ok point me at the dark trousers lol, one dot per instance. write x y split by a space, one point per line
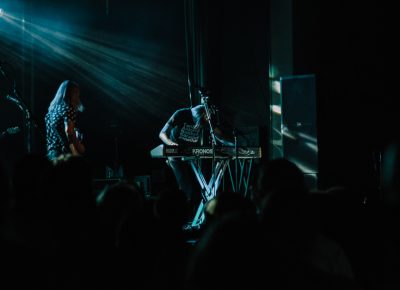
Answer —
186 180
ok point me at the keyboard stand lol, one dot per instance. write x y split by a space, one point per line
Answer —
210 187
243 176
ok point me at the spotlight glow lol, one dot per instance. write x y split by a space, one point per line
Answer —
276 87
276 109
133 74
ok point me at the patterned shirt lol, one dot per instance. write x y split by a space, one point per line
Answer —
56 138
184 132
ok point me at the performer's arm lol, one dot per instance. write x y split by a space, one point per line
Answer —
223 138
164 135
76 146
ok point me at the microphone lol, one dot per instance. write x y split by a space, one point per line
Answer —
20 104
209 105
12 99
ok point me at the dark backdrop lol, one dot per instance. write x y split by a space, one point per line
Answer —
127 56
132 70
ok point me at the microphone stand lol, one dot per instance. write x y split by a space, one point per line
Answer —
16 99
27 114
213 139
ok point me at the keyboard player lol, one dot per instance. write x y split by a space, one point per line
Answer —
185 128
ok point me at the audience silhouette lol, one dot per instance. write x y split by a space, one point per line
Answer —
58 233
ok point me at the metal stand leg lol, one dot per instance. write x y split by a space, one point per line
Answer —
244 176
209 188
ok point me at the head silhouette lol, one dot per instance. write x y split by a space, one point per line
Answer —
68 94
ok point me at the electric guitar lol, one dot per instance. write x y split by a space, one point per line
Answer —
10 131
80 149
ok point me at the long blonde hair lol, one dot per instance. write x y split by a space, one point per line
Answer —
64 95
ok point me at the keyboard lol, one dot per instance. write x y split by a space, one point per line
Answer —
164 151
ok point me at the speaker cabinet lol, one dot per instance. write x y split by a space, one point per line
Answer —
294 124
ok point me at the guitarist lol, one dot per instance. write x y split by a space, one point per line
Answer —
62 135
